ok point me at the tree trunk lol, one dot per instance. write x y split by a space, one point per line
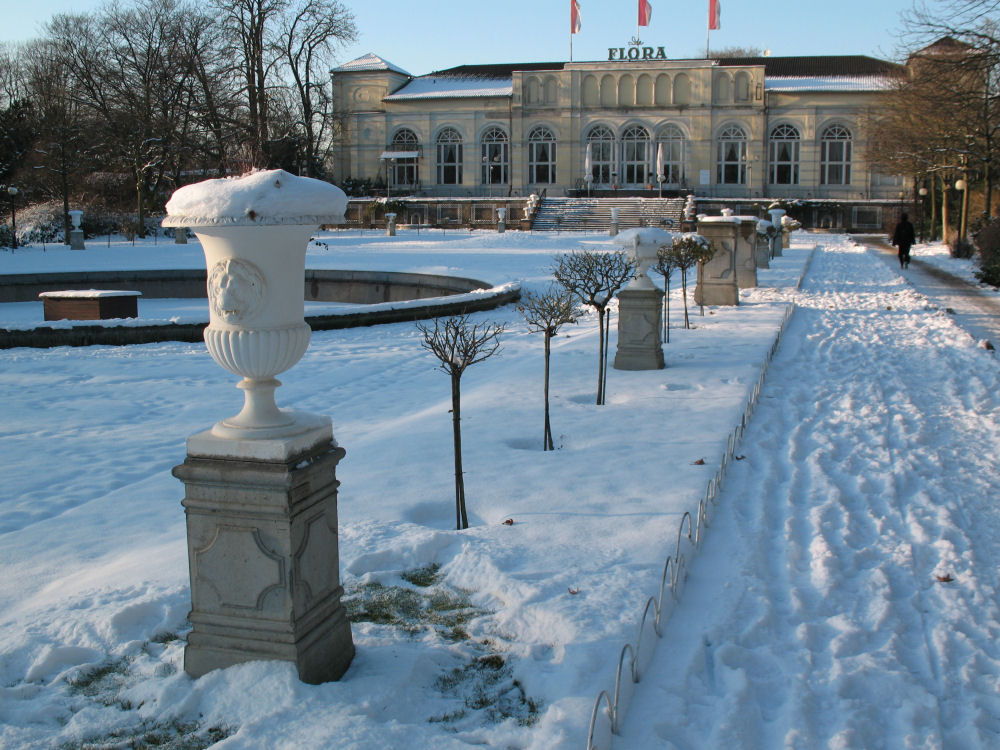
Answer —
548 444
684 290
944 210
604 365
933 234
666 300
461 518
600 356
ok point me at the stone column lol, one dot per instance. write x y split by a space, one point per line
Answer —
717 278
261 486
613 229
746 253
640 303
390 224
501 220
263 554
762 246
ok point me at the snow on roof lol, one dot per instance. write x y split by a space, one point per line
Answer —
828 83
448 87
371 61
259 198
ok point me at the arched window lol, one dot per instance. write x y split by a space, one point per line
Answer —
541 157
671 139
626 91
644 90
635 156
404 170
609 91
732 155
784 156
742 87
602 147
682 89
835 156
449 157
723 89
495 157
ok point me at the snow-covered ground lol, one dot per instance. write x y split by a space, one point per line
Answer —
812 615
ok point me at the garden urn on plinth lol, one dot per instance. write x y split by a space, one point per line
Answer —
260 486
76 238
640 303
777 241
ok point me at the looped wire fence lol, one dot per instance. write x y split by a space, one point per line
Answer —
607 722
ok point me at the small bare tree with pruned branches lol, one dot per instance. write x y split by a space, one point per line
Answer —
548 312
458 344
594 278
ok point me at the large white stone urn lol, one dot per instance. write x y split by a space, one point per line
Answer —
642 244
254 231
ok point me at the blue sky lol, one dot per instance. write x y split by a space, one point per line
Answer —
425 36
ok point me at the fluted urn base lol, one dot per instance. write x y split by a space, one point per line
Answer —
258 355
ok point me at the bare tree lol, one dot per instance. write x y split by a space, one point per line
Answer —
548 312
594 278
688 251
666 264
310 33
458 344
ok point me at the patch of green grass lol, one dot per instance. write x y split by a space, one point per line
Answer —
485 685
170 735
443 610
103 682
422 577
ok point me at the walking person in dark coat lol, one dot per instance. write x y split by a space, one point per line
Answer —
903 238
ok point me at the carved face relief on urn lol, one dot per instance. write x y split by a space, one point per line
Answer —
236 289
254 231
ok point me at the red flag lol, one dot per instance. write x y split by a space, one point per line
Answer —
714 14
574 17
645 12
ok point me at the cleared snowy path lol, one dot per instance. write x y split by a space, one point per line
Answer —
845 596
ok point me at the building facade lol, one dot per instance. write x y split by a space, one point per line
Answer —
740 128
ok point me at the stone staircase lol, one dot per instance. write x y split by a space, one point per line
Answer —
594 214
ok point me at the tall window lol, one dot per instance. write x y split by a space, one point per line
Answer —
404 171
602 145
732 156
541 157
635 156
449 157
784 156
835 156
671 138
494 155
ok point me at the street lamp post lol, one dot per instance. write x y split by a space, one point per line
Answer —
12 192
922 192
962 185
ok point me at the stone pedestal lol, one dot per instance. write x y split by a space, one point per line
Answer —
746 253
263 553
390 225
180 235
639 330
76 240
717 278
613 229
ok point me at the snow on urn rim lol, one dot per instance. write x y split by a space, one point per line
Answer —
264 198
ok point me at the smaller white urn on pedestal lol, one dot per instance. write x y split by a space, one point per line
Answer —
501 220
76 239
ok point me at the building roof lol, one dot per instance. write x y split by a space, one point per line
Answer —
818 65
828 83
371 61
803 73
452 87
